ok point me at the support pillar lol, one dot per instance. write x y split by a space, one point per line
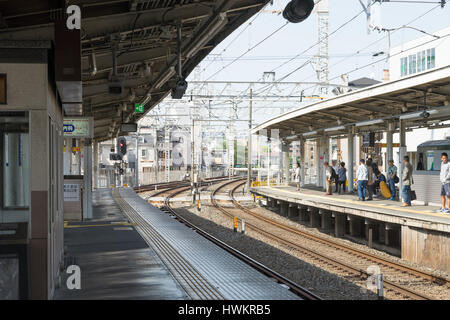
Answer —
302 161
325 219
314 217
351 159
303 213
402 150
381 232
355 226
389 144
318 163
388 235
96 184
284 207
339 224
293 211
371 232
286 171
87 190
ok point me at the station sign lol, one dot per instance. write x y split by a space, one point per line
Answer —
128 127
79 127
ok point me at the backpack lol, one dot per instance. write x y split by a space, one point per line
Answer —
333 174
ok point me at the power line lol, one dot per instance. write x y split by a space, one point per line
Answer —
393 55
318 42
376 41
248 50
237 36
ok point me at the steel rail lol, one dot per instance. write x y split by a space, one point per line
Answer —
388 284
385 262
295 288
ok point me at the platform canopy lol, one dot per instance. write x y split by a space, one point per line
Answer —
421 100
145 32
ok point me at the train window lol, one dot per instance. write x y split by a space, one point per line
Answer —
15 170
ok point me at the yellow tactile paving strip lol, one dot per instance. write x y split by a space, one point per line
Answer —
366 203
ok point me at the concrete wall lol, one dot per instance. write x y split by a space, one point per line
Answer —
29 89
425 247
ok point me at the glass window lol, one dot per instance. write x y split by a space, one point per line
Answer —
423 61
412 64
16 170
144 152
419 59
433 58
431 63
403 66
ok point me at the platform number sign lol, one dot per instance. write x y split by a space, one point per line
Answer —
138 108
74 17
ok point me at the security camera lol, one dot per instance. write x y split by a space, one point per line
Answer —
425 114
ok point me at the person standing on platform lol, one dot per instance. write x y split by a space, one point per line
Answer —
336 169
362 174
297 176
445 179
342 177
407 181
392 177
329 177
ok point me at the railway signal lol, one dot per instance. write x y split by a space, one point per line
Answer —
121 146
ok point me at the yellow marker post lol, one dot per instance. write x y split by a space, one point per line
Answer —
235 224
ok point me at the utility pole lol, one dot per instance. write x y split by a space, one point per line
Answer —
322 67
249 151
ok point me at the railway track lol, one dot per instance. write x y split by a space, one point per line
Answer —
392 269
293 287
168 187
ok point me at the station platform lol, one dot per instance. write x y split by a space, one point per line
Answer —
204 270
419 234
419 216
133 250
115 262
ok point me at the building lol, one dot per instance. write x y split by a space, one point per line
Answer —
419 55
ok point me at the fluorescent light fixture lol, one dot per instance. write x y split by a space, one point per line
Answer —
220 21
334 129
311 133
169 74
417 115
369 123
292 137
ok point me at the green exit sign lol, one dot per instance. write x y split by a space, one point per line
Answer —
138 108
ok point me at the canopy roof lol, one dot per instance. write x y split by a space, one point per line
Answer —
371 108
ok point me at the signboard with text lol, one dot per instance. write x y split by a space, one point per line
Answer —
71 192
79 127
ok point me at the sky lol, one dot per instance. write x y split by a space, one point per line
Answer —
295 38
350 47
